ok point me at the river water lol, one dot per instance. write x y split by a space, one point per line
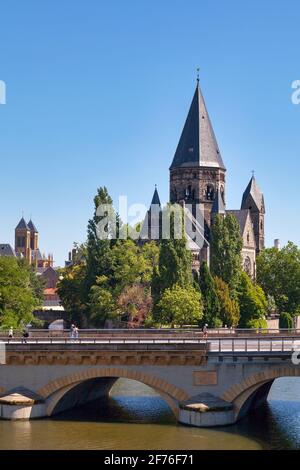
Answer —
134 417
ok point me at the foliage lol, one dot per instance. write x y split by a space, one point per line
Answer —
278 272
102 304
252 300
18 293
72 294
257 323
181 306
229 308
285 320
210 298
135 302
225 250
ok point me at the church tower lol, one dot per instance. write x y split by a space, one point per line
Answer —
197 173
34 236
22 240
253 200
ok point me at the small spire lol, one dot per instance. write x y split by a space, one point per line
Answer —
198 76
253 173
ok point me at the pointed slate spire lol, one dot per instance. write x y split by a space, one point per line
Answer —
253 196
198 145
32 227
22 225
218 204
155 198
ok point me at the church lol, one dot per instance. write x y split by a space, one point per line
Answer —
198 178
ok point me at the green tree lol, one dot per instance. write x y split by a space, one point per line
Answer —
210 298
225 250
98 262
253 303
180 306
278 273
285 320
71 291
229 308
102 303
17 293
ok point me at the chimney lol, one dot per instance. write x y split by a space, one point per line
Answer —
277 244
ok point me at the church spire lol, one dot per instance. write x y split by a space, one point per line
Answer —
197 145
253 196
155 198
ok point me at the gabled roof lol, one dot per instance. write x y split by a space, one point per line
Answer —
32 227
253 196
241 216
6 250
22 225
218 204
197 145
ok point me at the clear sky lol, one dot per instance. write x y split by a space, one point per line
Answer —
98 91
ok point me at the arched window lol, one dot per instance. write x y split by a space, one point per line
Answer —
248 266
248 237
210 192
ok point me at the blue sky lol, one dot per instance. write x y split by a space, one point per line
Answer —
98 91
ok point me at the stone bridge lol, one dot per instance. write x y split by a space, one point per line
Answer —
204 382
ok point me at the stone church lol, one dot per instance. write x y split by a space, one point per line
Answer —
198 177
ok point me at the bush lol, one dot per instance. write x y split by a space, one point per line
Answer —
257 323
285 320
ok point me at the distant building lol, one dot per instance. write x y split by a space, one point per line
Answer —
27 245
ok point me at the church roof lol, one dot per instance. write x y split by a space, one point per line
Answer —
241 216
218 204
32 227
253 193
198 145
155 198
6 250
22 225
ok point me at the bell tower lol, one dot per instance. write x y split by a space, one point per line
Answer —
197 173
253 200
22 240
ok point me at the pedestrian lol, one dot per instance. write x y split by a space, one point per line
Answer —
25 335
72 331
11 332
76 332
205 330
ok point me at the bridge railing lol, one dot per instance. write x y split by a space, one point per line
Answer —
246 344
152 332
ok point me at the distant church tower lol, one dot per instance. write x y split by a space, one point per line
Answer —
253 200
22 240
34 236
197 173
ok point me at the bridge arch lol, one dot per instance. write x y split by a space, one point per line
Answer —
55 390
253 390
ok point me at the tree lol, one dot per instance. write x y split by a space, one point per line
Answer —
285 320
210 298
102 304
175 260
71 291
278 273
135 302
181 306
229 308
98 249
225 249
253 303
17 293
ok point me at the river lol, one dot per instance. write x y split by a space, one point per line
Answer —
134 417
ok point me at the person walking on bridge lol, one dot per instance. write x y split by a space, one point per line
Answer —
11 332
205 330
